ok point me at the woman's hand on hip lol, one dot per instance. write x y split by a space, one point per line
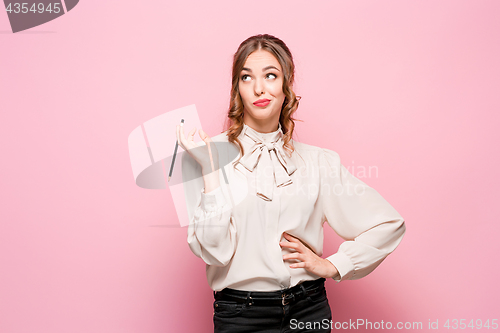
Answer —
309 260
206 156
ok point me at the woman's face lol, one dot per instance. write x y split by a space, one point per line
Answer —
261 90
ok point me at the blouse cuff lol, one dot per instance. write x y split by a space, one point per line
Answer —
343 264
212 200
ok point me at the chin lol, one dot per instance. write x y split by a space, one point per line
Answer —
262 113
262 116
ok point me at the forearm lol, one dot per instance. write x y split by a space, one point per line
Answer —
211 180
212 235
215 243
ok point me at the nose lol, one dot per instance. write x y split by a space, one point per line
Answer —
258 87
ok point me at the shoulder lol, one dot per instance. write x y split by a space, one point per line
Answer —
222 137
222 142
322 155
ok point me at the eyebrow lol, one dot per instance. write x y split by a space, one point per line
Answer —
265 69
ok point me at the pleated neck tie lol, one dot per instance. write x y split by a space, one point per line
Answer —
267 158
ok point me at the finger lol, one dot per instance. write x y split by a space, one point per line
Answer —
181 132
295 255
290 245
181 137
204 136
288 236
191 134
302 246
178 134
184 142
299 265
292 239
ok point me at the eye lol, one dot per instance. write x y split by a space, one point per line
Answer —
245 77
271 76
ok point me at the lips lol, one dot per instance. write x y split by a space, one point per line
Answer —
261 102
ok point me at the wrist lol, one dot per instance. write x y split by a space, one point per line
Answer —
207 169
332 271
211 181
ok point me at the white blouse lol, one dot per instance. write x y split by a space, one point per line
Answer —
236 228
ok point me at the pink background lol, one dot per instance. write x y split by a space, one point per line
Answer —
410 87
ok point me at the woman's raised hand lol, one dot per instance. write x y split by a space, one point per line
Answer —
206 156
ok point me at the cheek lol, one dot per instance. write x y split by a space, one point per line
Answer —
280 94
277 90
243 94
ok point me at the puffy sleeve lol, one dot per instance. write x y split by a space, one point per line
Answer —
211 230
370 226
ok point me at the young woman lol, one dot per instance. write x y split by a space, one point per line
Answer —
257 221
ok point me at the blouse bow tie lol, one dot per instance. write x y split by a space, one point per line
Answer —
274 166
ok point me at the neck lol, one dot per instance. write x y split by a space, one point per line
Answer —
262 126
